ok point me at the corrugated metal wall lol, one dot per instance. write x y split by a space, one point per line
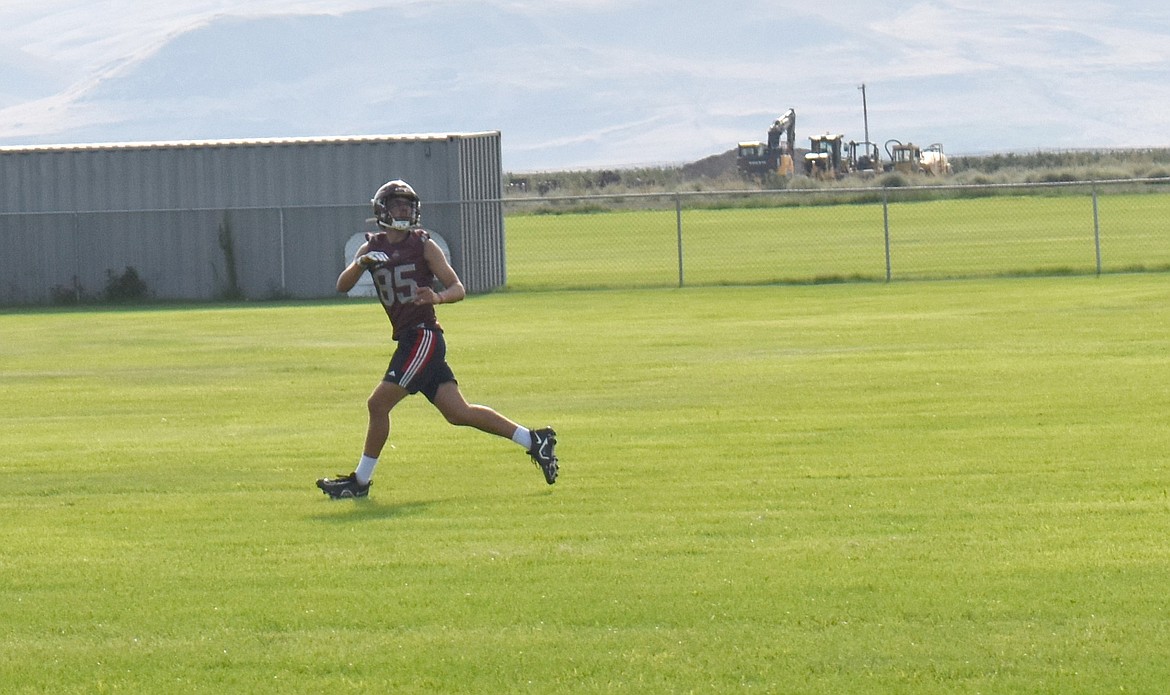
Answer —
273 215
481 219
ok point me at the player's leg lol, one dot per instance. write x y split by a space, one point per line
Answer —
395 386
451 403
385 396
540 444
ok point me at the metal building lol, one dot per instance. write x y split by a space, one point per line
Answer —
252 219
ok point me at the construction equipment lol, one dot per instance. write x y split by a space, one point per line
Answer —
760 159
903 157
830 157
827 157
909 158
934 161
865 158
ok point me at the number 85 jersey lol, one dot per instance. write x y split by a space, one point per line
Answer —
399 278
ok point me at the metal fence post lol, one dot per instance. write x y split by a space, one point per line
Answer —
1096 231
283 275
678 222
77 260
886 227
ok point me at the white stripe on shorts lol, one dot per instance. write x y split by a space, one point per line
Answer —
422 355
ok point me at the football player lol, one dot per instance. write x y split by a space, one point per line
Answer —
404 263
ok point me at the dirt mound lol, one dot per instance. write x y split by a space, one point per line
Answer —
712 167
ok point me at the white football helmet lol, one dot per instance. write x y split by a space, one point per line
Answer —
391 190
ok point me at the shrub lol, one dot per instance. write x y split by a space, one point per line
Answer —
67 295
126 287
894 180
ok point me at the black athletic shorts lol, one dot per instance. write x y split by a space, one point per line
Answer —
419 364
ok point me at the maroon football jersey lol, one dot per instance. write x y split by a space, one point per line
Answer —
399 278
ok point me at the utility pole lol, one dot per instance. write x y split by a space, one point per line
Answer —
865 114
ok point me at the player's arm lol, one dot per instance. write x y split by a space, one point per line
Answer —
362 260
452 287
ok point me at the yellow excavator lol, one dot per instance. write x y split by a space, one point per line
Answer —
760 159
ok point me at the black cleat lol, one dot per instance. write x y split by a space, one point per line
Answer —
543 453
343 487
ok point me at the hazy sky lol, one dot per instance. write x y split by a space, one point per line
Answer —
588 83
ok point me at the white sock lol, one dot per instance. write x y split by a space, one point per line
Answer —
523 437
365 469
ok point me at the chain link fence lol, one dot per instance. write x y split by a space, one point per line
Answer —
837 235
677 239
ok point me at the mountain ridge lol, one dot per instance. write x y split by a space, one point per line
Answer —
615 84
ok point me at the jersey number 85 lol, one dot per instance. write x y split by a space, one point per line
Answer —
394 285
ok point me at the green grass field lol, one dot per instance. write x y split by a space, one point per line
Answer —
862 488
940 239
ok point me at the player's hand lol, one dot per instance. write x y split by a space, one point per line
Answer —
372 258
425 295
